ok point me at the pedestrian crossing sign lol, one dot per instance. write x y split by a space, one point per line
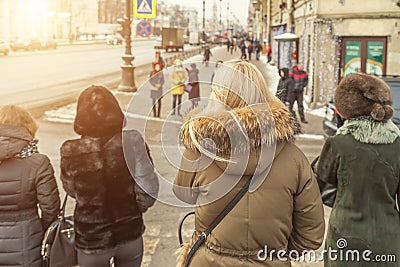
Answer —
145 9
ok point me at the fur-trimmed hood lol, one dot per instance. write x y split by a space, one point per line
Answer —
224 128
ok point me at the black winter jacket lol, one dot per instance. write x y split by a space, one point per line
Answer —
109 200
25 183
300 78
285 85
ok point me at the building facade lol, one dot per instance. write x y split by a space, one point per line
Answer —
23 18
336 37
59 19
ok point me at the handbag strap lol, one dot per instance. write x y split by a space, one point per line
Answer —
62 211
202 238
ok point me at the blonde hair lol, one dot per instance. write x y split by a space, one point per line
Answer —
177 61
237 84
18 116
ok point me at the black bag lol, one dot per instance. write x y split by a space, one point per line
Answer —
328 191
58 246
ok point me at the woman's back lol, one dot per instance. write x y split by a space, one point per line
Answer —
26 182
368 179
284 212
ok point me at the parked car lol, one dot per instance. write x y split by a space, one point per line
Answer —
25 44
48 44
29 44
4 47
332 121
158 43
114 40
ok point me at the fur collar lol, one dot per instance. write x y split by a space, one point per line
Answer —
366 130
223 128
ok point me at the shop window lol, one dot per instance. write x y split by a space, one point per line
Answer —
363 55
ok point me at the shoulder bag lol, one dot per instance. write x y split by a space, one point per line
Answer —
58 246
188 88
202 238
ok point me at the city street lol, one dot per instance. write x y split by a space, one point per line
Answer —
29 77
162 220
340 59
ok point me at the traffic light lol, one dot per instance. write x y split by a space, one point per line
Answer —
124 29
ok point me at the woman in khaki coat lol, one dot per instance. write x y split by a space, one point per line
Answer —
178 77
244 122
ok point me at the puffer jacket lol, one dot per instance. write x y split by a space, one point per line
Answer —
285 86
24 183
109 199
283 211
300 78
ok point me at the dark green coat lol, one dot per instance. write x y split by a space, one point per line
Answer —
363 160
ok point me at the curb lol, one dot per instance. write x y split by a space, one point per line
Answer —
94 42
39 107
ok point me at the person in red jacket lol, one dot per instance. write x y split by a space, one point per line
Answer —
300 78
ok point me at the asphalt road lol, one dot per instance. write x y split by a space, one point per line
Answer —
39 75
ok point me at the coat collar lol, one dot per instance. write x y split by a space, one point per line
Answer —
366 130
264 124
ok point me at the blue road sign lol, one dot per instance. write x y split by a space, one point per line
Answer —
144 28
144 8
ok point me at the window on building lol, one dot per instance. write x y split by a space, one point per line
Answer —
363 55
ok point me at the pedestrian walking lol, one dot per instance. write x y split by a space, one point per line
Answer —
363 161
250 49
27 182
194 95
285 85
258 50
269 53
300 78
243 48
284 212
110 197
217 66
178 78
207 55
157 81
159 59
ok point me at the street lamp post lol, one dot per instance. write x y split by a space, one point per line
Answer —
204 21
128 70
220 22
227 20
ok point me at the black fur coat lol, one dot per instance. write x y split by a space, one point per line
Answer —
109 202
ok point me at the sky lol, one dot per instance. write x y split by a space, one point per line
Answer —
238 7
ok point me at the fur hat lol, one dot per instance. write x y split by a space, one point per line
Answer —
98 113
364 95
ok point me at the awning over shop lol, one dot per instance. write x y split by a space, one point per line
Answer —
287 36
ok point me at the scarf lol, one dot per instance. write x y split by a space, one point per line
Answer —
29 150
